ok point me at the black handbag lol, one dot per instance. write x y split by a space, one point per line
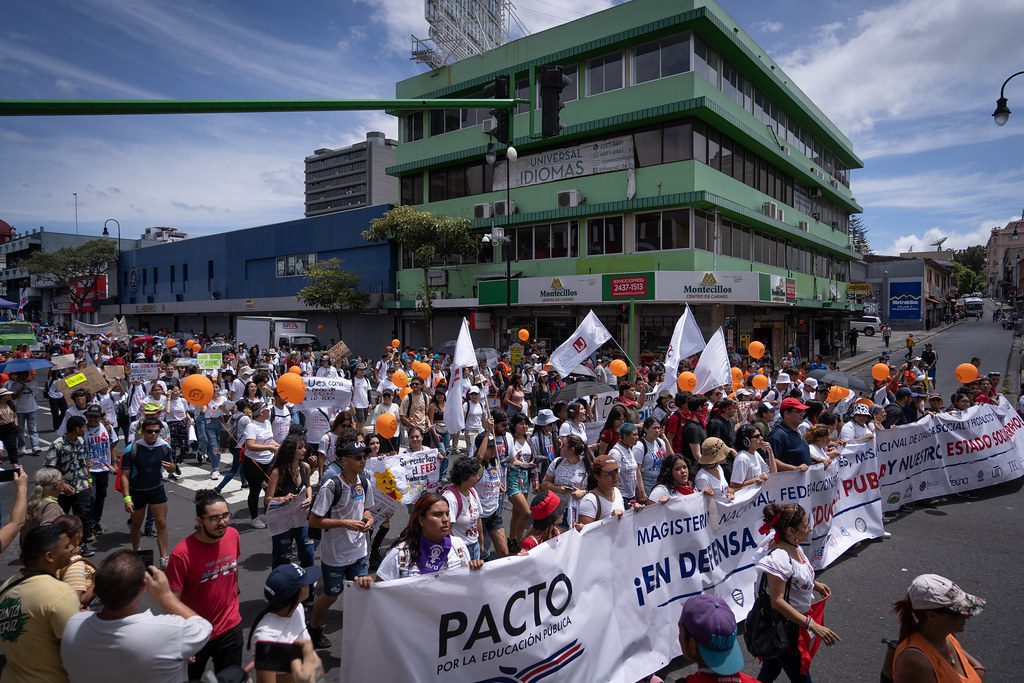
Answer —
765 630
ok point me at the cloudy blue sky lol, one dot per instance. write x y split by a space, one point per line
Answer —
912 82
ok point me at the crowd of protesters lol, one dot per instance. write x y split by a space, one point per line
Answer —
557 464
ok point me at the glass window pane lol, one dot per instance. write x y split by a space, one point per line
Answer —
700 230
436 122
524 244
559 240
726 155
595 76
737 161
438 185
541 241
700 141
648 232
475 179
675 55
571 91
452 118
675 229
648 147
677 143
646 65
748 168
522 93
613 235
574 240
456 182
613 72
724 237
714 150
595 237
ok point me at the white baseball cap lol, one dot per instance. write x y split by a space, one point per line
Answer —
474 389
931 591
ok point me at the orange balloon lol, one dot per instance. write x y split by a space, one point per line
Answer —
405 391
386 425
291 388
190 343
687 381
4 377
395 343
295 370
197 389
423 370
196 348
759 382
736 373
880 371
755 349
966 373
618 367
524 335
170 343
400 379
320 327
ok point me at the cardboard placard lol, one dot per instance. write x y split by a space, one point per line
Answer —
90 379
338 352
114 372
63 362
210 361
144 372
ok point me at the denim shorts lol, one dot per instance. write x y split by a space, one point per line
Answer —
334 577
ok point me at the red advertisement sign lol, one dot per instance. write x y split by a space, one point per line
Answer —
629 287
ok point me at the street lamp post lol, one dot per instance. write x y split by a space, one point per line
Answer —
1002 112
504 236
117 266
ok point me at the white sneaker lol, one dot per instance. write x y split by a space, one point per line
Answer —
258 523
215 475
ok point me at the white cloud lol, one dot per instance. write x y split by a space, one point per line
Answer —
934 133
769 26
911 58
27 61
955 239
950 192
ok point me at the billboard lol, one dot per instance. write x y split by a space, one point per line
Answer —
905 300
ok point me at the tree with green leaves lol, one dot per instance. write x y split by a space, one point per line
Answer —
967 280
75 269
430 238
972 257
859 235
333 289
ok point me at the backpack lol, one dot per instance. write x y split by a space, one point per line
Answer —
316 533
458 498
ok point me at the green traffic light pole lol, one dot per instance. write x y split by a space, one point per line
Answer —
136 107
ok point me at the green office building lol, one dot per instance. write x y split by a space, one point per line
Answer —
689 169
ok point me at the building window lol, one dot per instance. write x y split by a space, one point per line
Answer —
677 142
294 265
412 127
524 245
661 58
209 270
444 121
412 189
604 236
604 74
564 240
647 147
703 230
663 230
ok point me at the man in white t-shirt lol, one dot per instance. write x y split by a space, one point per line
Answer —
360 396
342 510
121 642
281 418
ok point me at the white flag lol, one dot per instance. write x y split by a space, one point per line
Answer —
686 341
712 369
464 357
587 338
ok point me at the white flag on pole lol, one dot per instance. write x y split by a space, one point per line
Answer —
587 338
686 341
712 369
464 357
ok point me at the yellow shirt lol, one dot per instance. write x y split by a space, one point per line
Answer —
32 618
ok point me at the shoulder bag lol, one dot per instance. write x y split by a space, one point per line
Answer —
765 629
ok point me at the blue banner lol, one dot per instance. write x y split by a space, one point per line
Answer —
904 300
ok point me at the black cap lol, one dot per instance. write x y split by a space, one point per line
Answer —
903 392
94 410
354 448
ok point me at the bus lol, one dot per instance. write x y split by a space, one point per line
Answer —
974 307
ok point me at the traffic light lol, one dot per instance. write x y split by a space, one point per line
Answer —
623 317
552 82
500 89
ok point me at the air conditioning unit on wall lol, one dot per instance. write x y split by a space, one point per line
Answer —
804 225
568 199
489 125
503 208
485 210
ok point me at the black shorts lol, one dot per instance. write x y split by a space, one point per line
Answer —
493 522
141 499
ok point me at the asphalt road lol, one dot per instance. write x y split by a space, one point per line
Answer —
978 543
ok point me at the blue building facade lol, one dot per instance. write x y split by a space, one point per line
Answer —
201 284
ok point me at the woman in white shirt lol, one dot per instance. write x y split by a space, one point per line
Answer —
817 439
650 450
425 546
605 499
213 422
630 484
674 480
178 420
260 448
283 619
577 413
713 453
567 476
464 503
474 412
749 467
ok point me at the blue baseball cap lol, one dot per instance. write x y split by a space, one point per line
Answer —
709 621
286 580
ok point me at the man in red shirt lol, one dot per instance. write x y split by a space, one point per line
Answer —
707 634
203 573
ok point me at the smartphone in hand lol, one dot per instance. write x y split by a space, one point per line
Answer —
276 656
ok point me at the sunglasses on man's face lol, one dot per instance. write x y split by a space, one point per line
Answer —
151 431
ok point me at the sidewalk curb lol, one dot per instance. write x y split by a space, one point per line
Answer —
872 359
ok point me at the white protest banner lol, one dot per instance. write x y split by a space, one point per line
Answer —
416 472
712 369
284 516
210 361
950 453
144 372
601 605
333 392
63 362
686 340
604 403
318 423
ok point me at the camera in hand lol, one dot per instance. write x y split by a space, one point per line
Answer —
146 556
276 656
7 475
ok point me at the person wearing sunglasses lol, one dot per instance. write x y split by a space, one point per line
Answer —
749 467
142 483
605 499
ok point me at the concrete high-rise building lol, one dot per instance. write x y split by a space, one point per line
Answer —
351 177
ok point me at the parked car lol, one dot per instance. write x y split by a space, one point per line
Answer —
866 324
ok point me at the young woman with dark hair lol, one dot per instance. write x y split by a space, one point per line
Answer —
289 479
